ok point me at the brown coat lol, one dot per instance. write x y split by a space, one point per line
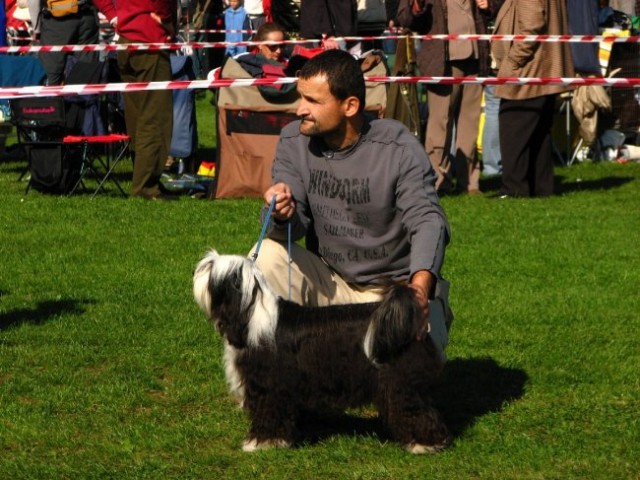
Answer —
433 57
532 59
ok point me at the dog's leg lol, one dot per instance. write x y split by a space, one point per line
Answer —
404 403
271 409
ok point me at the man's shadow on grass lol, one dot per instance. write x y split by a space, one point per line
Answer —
607 183
474 387
42 312
469 389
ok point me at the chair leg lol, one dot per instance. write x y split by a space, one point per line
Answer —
110 171
85 166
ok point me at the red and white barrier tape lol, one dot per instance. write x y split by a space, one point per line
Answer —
222 44
508 38
41 91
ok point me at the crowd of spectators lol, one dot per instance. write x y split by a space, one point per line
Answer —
517 131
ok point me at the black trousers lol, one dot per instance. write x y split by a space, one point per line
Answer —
76 29
329 17
526 146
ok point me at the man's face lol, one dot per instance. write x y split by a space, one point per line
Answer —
272 52
234 4
322 114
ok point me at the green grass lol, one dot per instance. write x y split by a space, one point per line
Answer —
108 370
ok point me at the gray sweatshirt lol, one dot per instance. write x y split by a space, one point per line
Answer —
373 206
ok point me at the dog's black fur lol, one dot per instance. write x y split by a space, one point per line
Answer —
283 359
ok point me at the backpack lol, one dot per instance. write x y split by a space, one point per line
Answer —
62 8
54 168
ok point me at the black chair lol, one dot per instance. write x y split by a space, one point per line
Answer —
41 124
59 157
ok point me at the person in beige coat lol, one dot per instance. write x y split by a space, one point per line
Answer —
526 111
452 107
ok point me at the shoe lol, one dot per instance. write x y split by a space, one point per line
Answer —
474 193
502 195
163 197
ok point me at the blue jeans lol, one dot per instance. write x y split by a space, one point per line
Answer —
491 157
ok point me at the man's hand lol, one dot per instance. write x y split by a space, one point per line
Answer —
422 282
482 4
330 43
417 6
168 26
285 206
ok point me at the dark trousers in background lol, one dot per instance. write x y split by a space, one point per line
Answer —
526 146
78 29
148 115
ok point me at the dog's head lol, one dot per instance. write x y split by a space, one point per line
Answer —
396 323
231 291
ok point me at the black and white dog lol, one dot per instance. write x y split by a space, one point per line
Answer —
282 359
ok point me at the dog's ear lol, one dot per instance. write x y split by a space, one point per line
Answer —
394 324
202 279
230 312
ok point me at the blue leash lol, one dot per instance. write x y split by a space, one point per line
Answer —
264 228
263 232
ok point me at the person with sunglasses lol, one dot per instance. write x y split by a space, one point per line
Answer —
271 32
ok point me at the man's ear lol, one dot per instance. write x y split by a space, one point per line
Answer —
351 106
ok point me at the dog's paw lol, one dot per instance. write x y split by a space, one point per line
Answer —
252 444
421 449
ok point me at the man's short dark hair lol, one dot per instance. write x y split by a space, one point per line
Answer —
342 71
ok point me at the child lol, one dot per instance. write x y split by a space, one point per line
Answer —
235 18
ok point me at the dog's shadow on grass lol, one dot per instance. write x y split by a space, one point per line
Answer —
42 312
469 389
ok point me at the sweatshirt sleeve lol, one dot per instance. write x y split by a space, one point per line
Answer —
422 215
285 170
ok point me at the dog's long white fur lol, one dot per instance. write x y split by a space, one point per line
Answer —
215 268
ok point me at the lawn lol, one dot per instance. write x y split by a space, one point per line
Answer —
108 369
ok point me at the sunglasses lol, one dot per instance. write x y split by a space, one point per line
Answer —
273 48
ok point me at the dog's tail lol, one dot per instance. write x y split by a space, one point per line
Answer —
394 324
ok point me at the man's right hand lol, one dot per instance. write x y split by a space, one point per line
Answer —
285 205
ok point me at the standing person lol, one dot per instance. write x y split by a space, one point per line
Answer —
328 18
256 13
491 157
526 111
3 28
450 105
363 189
148 113
65 27
236 20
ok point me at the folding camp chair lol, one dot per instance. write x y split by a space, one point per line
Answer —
59 158
92 161
40 125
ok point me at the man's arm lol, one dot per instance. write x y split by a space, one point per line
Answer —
289 190
531 19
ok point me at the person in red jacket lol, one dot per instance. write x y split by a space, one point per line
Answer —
148 114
